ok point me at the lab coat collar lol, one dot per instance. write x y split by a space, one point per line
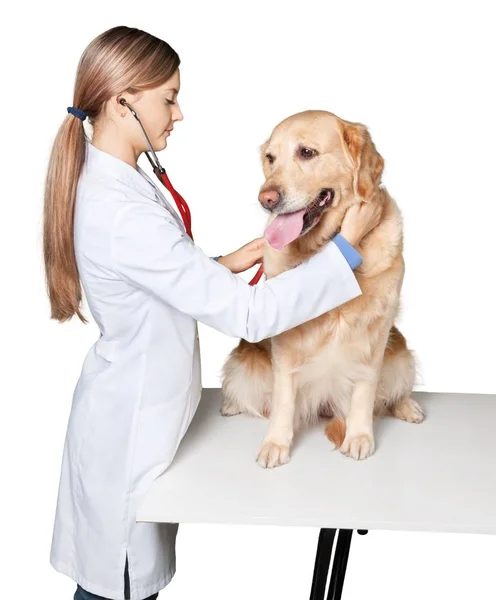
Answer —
101 162
98 160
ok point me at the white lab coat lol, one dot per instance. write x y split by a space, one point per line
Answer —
146 285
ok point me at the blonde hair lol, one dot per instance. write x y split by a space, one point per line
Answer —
122 59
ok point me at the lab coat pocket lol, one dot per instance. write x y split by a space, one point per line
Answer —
160 430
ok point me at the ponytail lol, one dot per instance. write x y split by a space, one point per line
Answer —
61 272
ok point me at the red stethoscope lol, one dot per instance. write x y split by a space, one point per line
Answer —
182 206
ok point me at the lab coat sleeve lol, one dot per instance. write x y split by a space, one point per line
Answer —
151 252
353 258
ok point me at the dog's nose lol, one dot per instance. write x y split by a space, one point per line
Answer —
269 198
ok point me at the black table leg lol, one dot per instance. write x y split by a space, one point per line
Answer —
339 564
322 561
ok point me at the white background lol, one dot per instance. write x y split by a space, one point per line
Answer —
420 75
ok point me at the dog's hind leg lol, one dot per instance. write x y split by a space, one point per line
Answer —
409 410
247 380
397 381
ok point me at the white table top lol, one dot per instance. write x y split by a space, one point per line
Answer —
436 476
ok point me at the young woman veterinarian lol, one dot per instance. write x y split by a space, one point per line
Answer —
109 231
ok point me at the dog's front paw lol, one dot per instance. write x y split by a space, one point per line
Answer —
272 455
358 446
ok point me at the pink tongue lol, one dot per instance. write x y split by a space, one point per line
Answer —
284 229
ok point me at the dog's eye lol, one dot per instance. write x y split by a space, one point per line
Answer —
307 153
270 158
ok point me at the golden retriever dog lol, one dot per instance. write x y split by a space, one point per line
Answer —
349 365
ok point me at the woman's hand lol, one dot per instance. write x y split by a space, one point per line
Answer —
245 257
359 220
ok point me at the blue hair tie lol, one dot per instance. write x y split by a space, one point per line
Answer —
77 112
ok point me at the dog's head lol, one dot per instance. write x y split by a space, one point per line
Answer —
316 166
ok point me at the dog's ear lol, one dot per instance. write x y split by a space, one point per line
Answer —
368 164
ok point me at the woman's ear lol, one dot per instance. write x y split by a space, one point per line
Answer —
368 164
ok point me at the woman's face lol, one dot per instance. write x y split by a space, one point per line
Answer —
158 111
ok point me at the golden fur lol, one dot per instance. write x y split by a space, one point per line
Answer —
351 364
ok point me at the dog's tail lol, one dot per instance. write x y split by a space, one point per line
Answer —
336 431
